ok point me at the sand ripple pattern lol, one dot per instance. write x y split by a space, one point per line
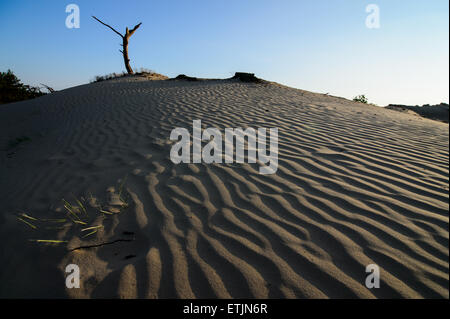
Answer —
355 185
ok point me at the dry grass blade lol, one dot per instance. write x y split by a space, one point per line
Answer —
72 209
48 241
82 206
29 224
106 212
93 227
91 233
79 222
28 216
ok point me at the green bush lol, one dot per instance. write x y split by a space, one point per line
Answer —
12 90
361 99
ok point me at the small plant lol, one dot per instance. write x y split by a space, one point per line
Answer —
143 72
361 99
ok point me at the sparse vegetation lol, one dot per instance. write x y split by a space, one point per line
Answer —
185 78
146 73
12 90
438 112
361 99
100 78
246 77
82 216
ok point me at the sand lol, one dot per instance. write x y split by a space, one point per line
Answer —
356 185
438 112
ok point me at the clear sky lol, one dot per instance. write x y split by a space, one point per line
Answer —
321 46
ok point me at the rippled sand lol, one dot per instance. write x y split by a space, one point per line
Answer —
356 185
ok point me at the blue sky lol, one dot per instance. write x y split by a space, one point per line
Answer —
321 46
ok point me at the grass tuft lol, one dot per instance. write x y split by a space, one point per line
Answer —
77 217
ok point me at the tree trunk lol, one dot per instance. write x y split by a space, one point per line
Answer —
126 59
125 38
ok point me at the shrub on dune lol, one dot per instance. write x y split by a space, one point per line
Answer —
361 99
12 90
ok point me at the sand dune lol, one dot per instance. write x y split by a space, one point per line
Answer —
356 185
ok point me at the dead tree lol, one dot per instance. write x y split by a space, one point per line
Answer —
125 38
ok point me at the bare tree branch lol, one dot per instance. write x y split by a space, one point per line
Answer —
108 26
51 90
134 29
